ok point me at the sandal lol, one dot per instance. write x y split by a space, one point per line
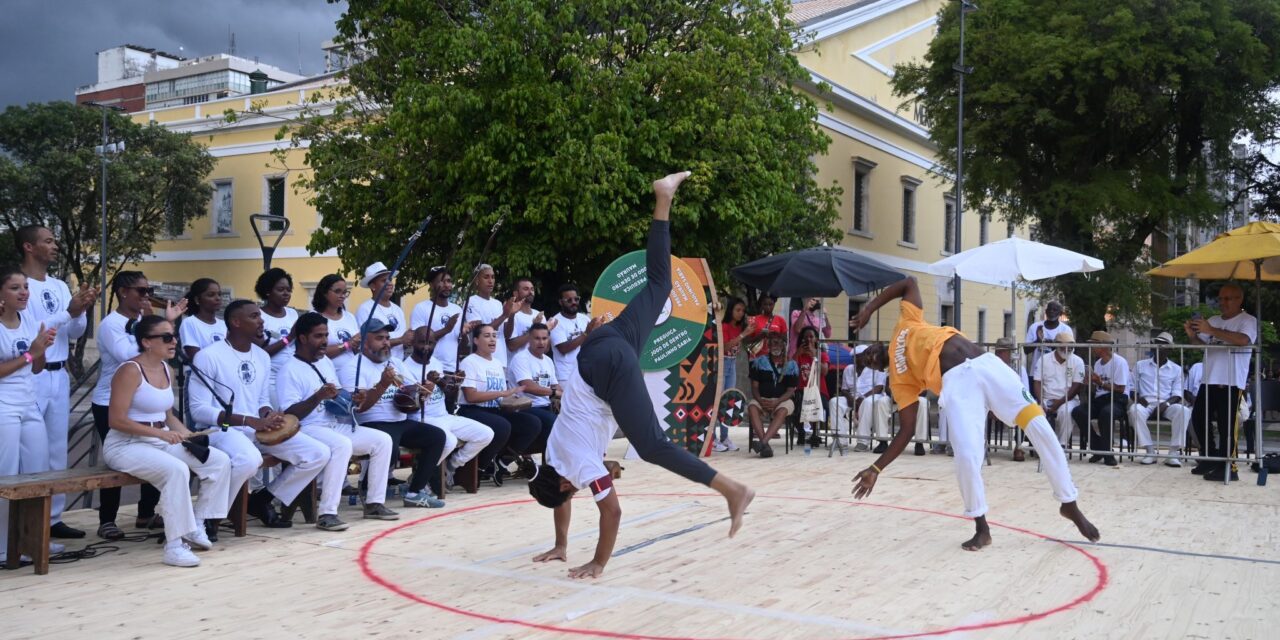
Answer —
150 522
109 531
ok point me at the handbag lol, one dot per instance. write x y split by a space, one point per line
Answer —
811 403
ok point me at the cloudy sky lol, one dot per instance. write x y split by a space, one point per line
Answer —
47 47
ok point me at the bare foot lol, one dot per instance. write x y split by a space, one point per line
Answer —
666 187
1071 511
978 541
738 495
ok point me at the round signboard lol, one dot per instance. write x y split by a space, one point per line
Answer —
682 321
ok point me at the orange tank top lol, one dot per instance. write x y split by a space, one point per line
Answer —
913 355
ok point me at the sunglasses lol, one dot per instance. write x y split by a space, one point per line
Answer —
144 291
168 338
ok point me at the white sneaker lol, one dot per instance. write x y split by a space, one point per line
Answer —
198 540
719 447
57 547
179 555
1173 462
1148 460
730 445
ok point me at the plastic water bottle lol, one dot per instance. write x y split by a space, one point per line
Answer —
1262 476
808 448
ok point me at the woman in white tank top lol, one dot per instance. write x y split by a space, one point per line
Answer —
146 440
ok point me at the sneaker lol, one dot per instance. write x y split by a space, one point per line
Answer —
449 470
1147 460
919 448
379 511
1173 462
423 499
719 447
179 555
728 444
330 522
1110 461
861 447
348 490
61 530
198 540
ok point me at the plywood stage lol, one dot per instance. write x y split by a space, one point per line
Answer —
1193 559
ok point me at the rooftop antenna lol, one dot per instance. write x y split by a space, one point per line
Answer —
299 53
232 36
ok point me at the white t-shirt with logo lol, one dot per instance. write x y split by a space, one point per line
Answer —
576 447
524 366
16 388
483 374
276 328
391 315
199 334
447 346
1229 366
297 381
520 322
236 377
486 311
567 329
1114 372
1057 377
1049 335
48 305
343 330
415 373
370 375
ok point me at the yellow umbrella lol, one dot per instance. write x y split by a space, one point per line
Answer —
1251 252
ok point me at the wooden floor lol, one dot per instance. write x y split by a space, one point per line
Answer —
1193 559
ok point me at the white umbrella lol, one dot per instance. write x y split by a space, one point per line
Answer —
1006 261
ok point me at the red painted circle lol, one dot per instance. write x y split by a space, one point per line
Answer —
369 573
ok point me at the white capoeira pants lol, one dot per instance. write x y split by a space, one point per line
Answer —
473 435
306 457
23 449
343 441
984 384
168 467
244 456
53 402
1063 423
1178 415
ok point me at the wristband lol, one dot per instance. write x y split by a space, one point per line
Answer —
27 356
878 470
347 345
285 340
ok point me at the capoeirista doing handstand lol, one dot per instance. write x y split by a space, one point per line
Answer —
609 384
969 383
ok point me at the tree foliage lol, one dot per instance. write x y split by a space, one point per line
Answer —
1102 122
554 117
51 175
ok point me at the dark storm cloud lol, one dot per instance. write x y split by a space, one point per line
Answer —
47 47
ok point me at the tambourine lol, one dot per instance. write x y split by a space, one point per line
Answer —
512 404
286 431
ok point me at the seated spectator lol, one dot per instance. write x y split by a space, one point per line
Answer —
422 368
773 385
146 440
381 378
483 385
1109 377
1159 387
811 359
1057 380
863 399
1004 351
534 373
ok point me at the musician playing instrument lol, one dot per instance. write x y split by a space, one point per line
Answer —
307 388
484 384
229 389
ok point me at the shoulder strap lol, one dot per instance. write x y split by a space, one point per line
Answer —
141 370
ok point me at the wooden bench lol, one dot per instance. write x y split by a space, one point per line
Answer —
306 502
30 497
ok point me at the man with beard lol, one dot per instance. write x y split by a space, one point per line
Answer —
229 389
441 317
773 385
381 378
516 330
569 332
389 313
303 386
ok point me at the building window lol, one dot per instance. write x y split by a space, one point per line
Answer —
862 195
222 209
982 326
1008 324
984 234
948 225
946 316
909 185
275 200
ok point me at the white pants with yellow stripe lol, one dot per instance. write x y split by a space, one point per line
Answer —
984 384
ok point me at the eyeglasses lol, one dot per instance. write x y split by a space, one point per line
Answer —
167 338
144 291
341 292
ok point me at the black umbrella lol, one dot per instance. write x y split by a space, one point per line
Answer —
823 272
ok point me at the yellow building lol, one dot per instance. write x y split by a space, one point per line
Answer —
894 207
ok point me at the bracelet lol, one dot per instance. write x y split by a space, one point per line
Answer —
285 340
27 356
347 345
878 470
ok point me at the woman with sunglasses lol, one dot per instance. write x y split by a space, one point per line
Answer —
115 345
23 340
146 441
330 301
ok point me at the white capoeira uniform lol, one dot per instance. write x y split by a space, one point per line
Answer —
24 445
1157 384
473 435
240 379
1056 377
297 381
967 393
168 466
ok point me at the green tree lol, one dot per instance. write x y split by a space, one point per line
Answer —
51 175
555 117
1102 122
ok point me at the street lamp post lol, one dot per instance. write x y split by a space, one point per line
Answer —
104 150
278 225
961 71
